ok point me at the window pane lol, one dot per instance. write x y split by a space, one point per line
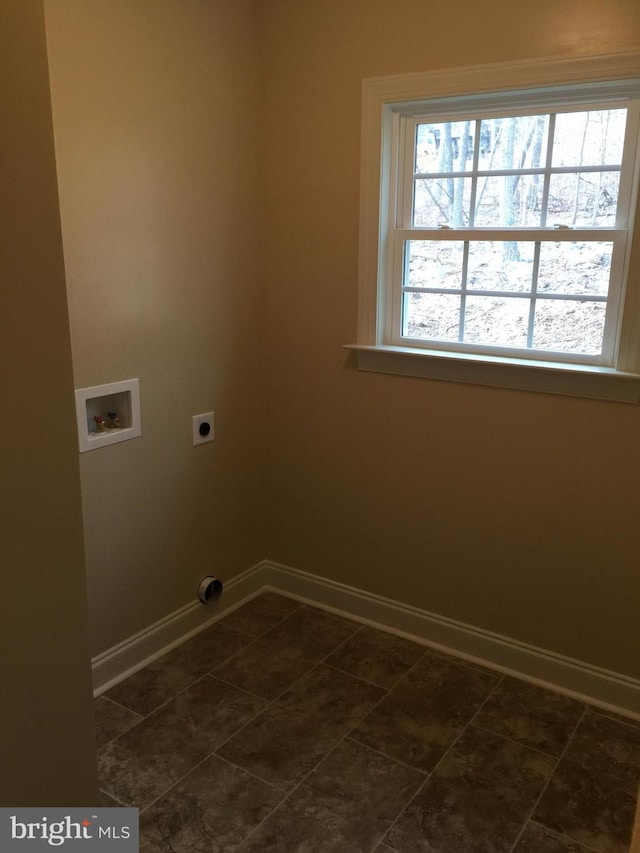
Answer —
509 200
583 198
444 147
571 327
575 268
517 142
499 321
431 316
500 266
441 201
433 263
590 138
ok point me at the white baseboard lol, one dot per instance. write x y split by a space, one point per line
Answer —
134 653
609 690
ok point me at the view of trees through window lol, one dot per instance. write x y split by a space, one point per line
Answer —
550 171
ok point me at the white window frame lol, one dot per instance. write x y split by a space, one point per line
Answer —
378 348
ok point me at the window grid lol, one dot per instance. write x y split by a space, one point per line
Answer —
547 177
406 215
534 292
463 298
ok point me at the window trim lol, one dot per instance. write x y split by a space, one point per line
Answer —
379 95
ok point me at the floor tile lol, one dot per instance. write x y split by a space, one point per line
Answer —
164 678
477 800
111 720
332 695
456 689
611 743
346 804
277 659
260 614
582 808
377 656
539 839
282 746
591 797
146 760
629 721
464 662
107 802
212 809
338 761
321 632
531 715
403 728
422 716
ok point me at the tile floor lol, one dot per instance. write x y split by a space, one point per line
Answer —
284 728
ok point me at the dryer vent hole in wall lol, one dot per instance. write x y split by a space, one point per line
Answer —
210 589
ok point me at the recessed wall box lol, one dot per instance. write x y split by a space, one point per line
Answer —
108 414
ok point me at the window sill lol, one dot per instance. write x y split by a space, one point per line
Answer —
600 383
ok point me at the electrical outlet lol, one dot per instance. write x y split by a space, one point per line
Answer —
203 428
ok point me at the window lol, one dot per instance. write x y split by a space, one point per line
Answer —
510 227
502 246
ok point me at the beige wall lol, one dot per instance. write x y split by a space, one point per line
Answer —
512 511
516 512
47 745
155 119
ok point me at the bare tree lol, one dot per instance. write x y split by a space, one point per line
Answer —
464 150
576 195
445 164
604 132
510 250
536 157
